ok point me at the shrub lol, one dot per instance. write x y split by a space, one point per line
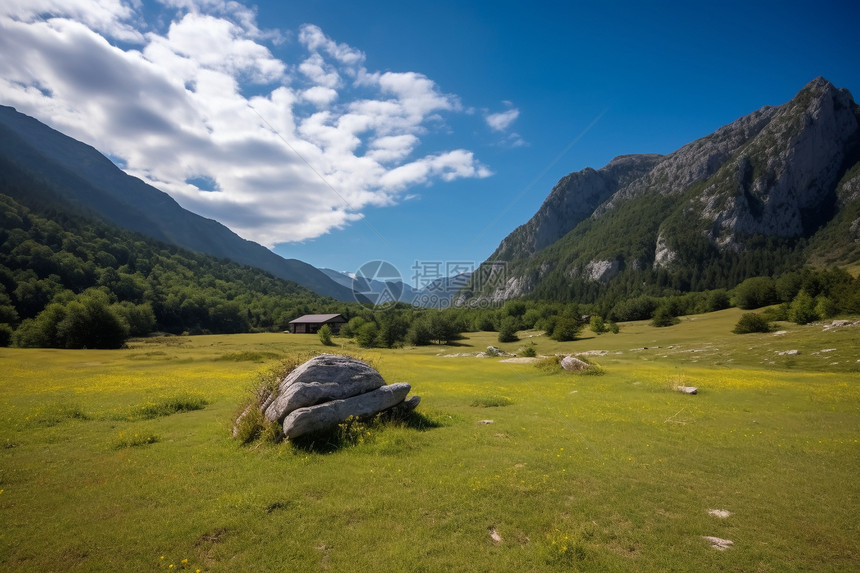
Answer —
755 292
751 322
550 364
802 309
638 308
5 335
566 328
774 313
508 330
529 351
419 333
350 329
663 317
825 307
597 325
366 335
717 300
613 327
325 335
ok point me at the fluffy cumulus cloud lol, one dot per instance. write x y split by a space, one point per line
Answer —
197 102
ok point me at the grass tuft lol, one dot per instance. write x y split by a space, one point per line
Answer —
134 441
247 356
549 364
491 401
168 407
56 413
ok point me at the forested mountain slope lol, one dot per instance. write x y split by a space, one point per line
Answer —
68 279
81 175
770 192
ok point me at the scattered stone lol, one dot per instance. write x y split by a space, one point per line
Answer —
717 543
828 350
780 332
485 421
520 360
494 535
838 324
721 513
687 389
492 351
593 353
788 353
574 364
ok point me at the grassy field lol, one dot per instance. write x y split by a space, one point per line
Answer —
122 460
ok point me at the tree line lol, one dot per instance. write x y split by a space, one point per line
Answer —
69 281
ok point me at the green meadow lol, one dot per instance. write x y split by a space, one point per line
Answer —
123 460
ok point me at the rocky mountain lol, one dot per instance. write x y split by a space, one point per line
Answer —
779 187
81 175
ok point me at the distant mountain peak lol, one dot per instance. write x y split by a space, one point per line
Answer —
780 171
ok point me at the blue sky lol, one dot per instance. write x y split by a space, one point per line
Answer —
342 132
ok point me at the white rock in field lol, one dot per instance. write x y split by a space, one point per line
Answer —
575 364
717 543
687 389
721 513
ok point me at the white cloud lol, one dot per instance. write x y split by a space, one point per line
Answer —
502 121
290 149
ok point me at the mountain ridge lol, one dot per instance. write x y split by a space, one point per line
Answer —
81 174
780 173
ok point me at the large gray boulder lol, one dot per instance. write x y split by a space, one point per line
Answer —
321 379
326 416
327 390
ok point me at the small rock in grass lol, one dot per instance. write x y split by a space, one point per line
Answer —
788 353
485 421
687 389
494 535
717 543
721 513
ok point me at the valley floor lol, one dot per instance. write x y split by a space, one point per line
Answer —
102 467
